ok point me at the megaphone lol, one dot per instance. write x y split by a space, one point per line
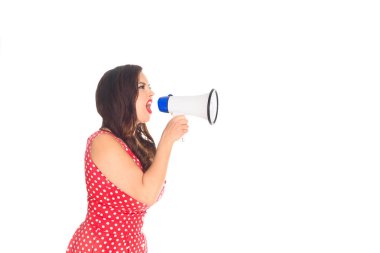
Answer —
204 106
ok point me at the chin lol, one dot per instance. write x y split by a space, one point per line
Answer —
145 120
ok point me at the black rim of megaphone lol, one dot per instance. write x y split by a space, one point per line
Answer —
208 106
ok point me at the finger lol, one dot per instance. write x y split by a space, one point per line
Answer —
183 121
178 117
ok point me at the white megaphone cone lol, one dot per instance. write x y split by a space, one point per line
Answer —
204 106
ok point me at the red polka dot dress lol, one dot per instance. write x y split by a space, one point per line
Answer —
114 219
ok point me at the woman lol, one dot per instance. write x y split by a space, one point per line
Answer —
125 172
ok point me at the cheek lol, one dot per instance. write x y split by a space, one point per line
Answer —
140 109
139 103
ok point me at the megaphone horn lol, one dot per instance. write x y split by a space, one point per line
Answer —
204 106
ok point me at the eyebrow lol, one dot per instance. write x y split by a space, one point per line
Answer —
144 84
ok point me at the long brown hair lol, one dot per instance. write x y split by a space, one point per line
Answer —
116 97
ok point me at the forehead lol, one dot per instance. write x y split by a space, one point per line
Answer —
142 77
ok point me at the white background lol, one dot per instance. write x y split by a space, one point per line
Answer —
292 164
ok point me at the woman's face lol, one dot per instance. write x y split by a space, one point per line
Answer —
144 99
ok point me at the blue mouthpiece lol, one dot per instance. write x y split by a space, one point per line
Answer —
163 103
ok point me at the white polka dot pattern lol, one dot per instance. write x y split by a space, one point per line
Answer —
114 219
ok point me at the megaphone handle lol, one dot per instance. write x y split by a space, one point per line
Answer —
176 114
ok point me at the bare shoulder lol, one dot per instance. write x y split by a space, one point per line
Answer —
104 141
112 159
105 146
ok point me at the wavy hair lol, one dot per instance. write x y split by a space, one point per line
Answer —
116 97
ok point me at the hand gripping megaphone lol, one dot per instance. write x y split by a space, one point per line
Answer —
204 106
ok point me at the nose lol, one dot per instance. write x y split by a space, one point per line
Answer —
151 93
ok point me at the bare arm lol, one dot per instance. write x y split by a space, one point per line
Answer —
121 170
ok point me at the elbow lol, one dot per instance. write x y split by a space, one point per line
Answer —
149 199
153 199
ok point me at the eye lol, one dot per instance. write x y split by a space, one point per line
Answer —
141 85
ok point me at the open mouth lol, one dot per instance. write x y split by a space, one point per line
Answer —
148 106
